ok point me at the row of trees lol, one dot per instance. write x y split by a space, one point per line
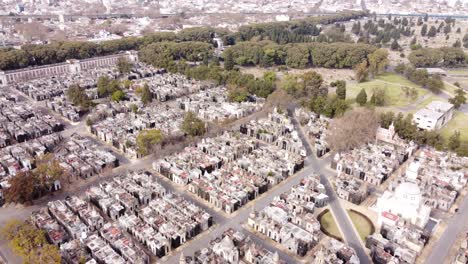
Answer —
445 56
420 76
35 55
298 55
293 31
406 129
165 54
30 243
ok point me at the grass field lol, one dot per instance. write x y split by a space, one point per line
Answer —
362 224
459 122
393 85
328 224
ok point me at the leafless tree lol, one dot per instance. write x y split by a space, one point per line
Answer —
353 129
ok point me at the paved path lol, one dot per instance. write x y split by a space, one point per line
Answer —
456 226
342 219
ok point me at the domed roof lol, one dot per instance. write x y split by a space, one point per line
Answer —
407 188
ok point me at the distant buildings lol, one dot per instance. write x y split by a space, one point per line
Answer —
69 67
434 116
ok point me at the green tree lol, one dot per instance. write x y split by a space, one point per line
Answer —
47 171
400 68
238 94
340 89
311 83
269 76
378 97
228 60
424 30
459 98
290 84
378 60
124 66
148 141
454 141
118 96
432 32
361 71
395 45
146 96
361 98
78 97
435 84
192 125
102 84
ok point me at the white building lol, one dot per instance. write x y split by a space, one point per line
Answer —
434 116
406 203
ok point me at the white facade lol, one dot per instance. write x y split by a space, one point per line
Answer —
434 116
406 203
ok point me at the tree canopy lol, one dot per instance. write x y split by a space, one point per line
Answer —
192 125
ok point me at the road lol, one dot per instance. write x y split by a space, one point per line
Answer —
455 227
342 219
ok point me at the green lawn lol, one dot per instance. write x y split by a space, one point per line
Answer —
328 225
459 122
362 224
393 85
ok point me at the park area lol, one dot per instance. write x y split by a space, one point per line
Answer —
328 225
459 122
396 89
362 224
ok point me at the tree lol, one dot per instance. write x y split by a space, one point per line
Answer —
228 60
290 84
395 45
361 98
47 254
311 83
146 96
361 71
459 98
400 68
147 141
48 170
357 127
432 32
78 97
378 60
192 125
237 94
269 76
435 84
340 89
102 84
21 188
424 30
454 141
457 44
118 96
30 243
378 97
124 66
